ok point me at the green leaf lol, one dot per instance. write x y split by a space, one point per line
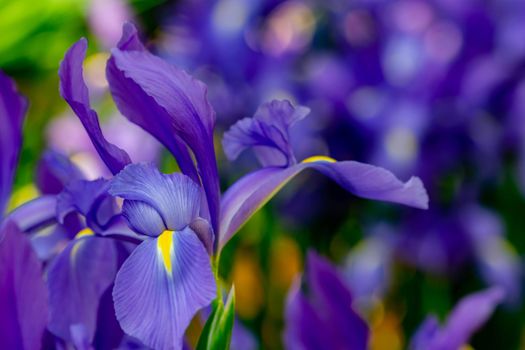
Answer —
217 331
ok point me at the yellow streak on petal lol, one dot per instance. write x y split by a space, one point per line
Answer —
85 232
164 243
319 159
74 252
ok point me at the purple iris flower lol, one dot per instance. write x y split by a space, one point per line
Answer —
86 267
177 215
322 316
466 318
268 134
169 276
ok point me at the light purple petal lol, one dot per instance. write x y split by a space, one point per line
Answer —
35 213
251 192
140 108
49 241
74 90
374 182
267 132
76 279
191 116
175 197
23 294
467 317
161 286
143 218
12 111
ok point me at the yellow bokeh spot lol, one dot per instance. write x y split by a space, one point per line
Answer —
285 262
85 232
319 159
21 196
386 333
247 278
164 243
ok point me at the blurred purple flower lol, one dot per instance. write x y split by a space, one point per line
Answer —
466 318
322 316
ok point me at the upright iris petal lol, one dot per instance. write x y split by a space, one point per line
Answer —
168 277
268 130
465 319
23 295
323 317
182 106
12 110
141 109
75 92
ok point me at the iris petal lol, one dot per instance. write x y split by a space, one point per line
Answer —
75 92
35 213
143 218
303 326
141 109
467 317
12 110
175 197
54 172
267 132
77 279
154 299
23 294
254 190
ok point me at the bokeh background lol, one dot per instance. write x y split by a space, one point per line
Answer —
433 88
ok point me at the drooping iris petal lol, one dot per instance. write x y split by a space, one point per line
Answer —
23 294
55 171
161 286
252 191
184 99
141 108
322 316
49 241
75 92
76 279
12 110
175 197
267 132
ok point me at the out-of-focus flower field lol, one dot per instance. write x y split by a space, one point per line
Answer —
344 256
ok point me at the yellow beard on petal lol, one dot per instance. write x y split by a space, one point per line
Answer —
164 243
319 159
85 232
